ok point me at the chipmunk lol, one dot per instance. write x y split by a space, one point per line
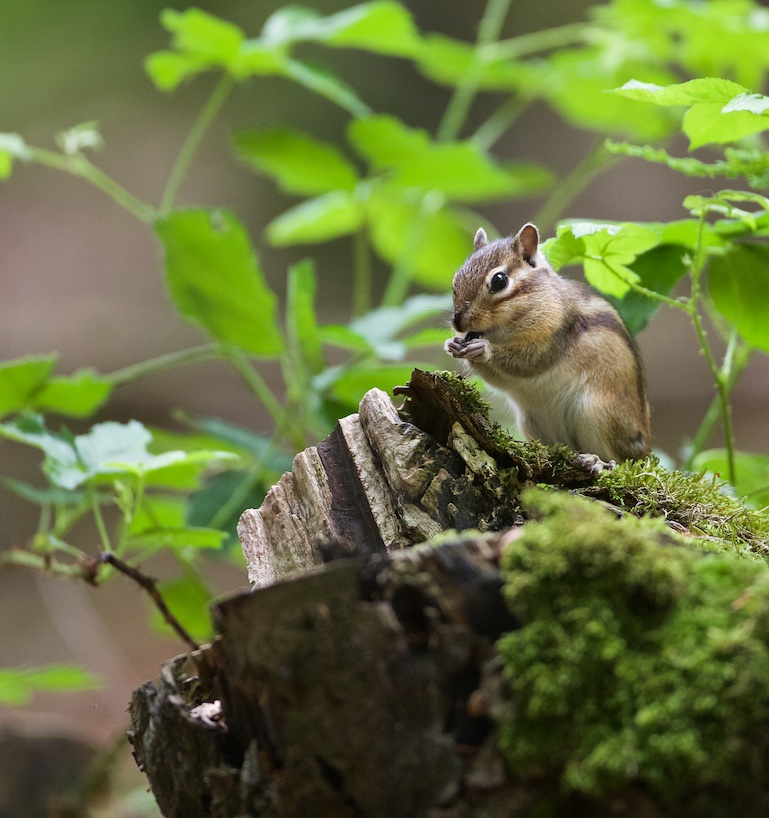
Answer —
555 348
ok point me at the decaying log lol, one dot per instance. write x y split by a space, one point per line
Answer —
352 689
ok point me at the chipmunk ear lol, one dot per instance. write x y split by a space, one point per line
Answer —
480 239
527 241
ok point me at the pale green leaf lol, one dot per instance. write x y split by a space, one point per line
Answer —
754 103
18 685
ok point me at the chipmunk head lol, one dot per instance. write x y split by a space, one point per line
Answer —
498 283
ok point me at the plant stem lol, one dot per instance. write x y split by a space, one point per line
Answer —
400 278
742 355
362 275
191 143
536 41
78 165
255 383
597 160
97 515
134 372
722 379
462 98
496 125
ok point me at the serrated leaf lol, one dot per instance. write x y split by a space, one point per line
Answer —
215 279
59 449
738 282
701 90
299 163
21 379
78 395
325 217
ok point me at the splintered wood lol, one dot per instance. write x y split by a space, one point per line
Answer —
360 487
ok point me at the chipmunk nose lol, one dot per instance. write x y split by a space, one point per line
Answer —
457 321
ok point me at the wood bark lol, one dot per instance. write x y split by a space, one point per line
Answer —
362 687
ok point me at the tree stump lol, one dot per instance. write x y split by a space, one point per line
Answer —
343 689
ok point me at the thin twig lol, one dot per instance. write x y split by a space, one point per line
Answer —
150 586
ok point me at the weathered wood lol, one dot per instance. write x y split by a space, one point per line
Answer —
381 482
341 693
344 690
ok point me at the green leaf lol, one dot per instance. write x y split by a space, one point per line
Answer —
606 250
59 450
739 281
168 70
383 27
216 281
387 323
337 335
435 241
703 90
21 379
42 497
12 146
349 385
17 686
575 81
325 217
751 469
203 35
659 270
462 171
183 537
299 163
188 599
301 324
447 61
78 395
705 125
754 103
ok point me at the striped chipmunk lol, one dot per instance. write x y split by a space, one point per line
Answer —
556 349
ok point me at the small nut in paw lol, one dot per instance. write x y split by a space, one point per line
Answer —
594 464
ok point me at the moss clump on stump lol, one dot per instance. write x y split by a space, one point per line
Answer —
641 660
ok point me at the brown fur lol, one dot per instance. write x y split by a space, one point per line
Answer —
557 349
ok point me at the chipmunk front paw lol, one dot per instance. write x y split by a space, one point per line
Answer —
470 347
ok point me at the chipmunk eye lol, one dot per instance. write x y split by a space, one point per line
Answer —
498 282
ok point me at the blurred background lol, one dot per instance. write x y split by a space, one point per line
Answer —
79 276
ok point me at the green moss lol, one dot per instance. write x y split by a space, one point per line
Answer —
693 501
640 660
